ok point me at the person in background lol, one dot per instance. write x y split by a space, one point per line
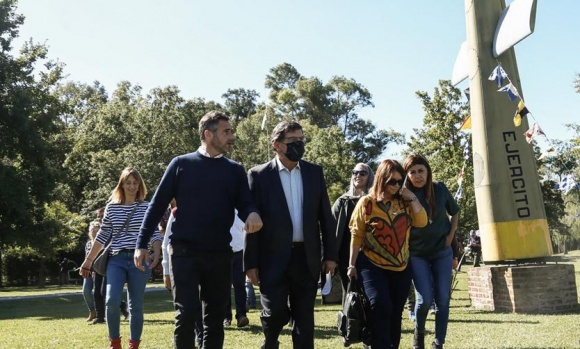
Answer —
361 181
431 252
457 247
88 280
123 215
475 247
380 226
238 276
251 295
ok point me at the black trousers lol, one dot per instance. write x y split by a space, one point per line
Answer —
291 296
99 295
239 283
200 275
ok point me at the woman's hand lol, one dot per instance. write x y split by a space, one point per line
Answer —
351 272
85 269
407 194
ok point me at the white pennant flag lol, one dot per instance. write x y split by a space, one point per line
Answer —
548 153
533 132
264 118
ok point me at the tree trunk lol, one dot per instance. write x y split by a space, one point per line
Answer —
41 274
1 264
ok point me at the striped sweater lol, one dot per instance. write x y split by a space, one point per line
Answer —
114 219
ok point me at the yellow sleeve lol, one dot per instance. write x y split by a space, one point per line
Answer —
419 218
358 220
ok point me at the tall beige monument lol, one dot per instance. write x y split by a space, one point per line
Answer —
510 207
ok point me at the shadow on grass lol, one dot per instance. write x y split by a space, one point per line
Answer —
71 307
476 321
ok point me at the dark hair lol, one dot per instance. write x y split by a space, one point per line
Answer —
384 173
210 122
416 159
280 130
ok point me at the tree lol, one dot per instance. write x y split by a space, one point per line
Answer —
331 104
440 141
30 133
240 103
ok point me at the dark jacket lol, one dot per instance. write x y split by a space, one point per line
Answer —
270 249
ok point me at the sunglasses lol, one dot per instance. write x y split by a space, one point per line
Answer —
360 173
398 182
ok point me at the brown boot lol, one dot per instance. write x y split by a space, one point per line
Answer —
115 343
92 315
134 344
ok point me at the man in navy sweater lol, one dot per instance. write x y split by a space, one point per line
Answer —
207 188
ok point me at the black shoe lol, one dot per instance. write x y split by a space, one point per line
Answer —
125 313
97 321
242 321
419 340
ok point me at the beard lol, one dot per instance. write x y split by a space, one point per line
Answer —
223 148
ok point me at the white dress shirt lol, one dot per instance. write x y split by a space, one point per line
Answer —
293 191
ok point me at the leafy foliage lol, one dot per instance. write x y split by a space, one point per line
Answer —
440 141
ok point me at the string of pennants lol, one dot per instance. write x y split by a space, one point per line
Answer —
499 76
466 155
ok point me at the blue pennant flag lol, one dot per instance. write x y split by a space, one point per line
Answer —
498 75
566 184
466 154
511 90
458 194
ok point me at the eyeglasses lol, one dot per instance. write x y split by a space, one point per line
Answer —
360 173
295 139
398 182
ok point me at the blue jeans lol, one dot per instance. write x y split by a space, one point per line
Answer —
387 291
432 279
88 293
120 270
251 295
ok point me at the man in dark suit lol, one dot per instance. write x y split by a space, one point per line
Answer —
297 239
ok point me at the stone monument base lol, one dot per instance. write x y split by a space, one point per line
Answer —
534 289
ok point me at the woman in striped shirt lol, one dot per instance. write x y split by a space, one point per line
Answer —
125 212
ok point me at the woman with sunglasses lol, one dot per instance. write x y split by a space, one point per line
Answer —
380 227
360 183
431 252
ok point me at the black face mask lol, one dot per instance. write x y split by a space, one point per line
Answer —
294 151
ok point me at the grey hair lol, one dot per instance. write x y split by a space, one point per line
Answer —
351 188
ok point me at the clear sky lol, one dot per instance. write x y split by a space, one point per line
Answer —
394 48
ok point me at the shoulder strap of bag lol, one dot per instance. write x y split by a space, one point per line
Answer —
115 234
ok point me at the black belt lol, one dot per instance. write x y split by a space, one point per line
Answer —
297 244
127 250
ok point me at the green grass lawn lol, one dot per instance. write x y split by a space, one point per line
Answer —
58 322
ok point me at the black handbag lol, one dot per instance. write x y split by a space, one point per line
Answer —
100 263
353 319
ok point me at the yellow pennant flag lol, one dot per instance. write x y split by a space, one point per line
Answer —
520 113
466 125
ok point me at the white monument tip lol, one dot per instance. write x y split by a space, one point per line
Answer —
516 22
